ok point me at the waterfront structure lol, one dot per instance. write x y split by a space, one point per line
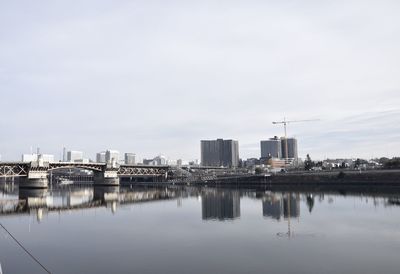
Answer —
220 205
271 148
35 174
130 158
156 161
219 153
112 156
33 157
291 144
101 157
74 156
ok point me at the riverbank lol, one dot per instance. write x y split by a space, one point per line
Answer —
340 178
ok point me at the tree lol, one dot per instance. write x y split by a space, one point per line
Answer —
392 163
258 170
308 163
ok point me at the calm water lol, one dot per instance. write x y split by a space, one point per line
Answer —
199 230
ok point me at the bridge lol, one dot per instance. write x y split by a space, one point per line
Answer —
35 174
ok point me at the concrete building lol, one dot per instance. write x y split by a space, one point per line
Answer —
271 148
64 156
156 161
220 153
130 158
101 157
112 155
160 160
34 157
292 148
74 156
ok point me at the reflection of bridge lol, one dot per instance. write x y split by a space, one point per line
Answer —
39 200
36 173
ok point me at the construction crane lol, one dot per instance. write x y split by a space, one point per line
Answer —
285 122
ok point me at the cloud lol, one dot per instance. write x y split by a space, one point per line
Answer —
156 77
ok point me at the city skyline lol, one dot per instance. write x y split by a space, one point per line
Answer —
156 78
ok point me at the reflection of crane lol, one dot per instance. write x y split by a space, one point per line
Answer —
285 122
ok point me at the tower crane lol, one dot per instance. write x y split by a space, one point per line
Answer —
285 122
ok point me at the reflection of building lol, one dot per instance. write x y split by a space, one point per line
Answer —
272 207
220 205
275 206
220 153
291 206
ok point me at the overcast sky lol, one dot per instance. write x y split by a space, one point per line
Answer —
156 77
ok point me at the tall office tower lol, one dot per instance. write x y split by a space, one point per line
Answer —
271 148
74 156
220 205
112 155
64 156
220 153
101 157
130 158
292 148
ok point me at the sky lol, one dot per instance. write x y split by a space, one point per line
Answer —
156 77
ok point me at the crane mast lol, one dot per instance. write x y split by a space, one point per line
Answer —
285 122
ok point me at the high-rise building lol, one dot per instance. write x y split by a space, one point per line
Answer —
101 157
74 156
130 158
220 153
291 148
34 157
271 148
112 155
64 156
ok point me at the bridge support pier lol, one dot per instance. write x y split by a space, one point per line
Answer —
35 179
106 178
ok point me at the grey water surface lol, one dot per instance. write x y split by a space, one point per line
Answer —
88 229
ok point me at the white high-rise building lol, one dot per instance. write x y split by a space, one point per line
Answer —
112 155
101 157
74 156
34 157
130 158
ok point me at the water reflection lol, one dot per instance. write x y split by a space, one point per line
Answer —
207 230
220 204
217 204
